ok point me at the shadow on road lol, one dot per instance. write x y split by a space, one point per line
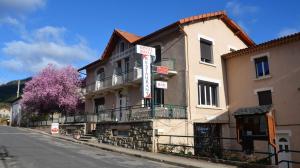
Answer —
4 155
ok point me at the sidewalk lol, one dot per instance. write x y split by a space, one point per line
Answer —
174 160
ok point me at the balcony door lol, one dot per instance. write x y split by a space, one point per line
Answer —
126 74
100 79
99 105
121 107
118 73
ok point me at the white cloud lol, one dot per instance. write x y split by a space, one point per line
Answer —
238 9
244 13
12 12
287 31
9 21
20 7
43 46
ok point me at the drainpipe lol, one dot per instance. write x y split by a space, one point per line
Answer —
187 76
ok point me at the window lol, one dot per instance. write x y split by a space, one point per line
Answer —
146 103
157 53
99 105
126 69
158 96
253 125
264 97
261 66
100 77
126 64
119 67
207 93
206 51
122 46
100 74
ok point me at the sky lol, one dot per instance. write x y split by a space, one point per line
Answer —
35 33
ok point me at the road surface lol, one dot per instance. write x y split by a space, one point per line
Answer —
22 149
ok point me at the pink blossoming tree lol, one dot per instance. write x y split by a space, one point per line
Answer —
52 90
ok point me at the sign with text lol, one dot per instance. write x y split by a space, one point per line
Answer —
146 76
162 70
146 53
162 84
54 128
144 50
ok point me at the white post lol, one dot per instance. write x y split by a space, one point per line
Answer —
18 91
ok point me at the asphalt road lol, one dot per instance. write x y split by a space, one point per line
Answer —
22 149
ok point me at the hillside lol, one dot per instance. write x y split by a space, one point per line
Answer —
8 91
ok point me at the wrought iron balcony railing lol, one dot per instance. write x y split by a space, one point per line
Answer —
115 80
136 113
170 63
122 114
124 77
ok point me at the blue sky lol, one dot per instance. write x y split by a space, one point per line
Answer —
34 33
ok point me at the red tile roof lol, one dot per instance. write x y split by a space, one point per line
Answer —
127 36
265 45
203 17
134 39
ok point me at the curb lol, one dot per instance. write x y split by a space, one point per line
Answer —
112 150
126 153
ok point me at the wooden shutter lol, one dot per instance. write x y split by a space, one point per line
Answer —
265 97
271 130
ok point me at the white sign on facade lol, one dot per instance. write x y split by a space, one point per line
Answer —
144 50
161 84
54 128
146 76
146 53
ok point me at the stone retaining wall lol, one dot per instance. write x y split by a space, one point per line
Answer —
138 135
69 129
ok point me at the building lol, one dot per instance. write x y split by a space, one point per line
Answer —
264 82
16 112
195 102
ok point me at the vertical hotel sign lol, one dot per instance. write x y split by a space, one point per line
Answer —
146 53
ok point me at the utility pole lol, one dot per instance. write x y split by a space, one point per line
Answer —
18 91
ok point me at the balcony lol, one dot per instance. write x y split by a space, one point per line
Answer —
115 81
170 63
122 114
138 113
121 78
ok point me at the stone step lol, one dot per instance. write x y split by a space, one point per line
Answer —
87 137
88 140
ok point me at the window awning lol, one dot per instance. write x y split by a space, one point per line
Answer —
256 110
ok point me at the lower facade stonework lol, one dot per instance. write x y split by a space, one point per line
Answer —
133 135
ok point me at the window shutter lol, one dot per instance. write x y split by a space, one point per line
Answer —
206 50
271 130
265 97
